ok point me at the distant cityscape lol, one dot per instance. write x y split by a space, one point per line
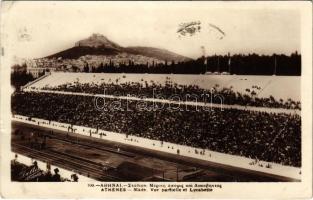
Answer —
98 54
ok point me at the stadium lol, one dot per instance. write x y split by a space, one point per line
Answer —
141 127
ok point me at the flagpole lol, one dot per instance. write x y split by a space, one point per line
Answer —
218 64
275 65
229 63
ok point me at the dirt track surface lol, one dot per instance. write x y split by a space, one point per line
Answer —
110 161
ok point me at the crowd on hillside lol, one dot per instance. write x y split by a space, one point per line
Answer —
264 136
179 92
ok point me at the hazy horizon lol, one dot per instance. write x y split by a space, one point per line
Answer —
40 29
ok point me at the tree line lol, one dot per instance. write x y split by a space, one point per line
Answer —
251 64
20 78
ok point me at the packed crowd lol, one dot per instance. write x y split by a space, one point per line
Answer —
264 136
180 92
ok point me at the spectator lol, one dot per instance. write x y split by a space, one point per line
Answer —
271 137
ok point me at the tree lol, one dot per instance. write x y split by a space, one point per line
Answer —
86 68
19 79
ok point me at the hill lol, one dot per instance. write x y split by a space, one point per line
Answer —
78 51
98 44
161 54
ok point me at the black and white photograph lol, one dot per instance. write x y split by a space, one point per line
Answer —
167 96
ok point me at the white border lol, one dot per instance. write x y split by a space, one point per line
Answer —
229 190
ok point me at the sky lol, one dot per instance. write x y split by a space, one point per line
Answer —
38 29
